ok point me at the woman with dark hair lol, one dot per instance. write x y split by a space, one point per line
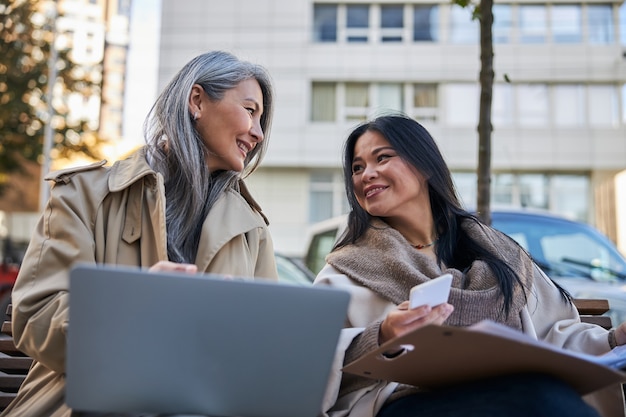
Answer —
177 204
406 226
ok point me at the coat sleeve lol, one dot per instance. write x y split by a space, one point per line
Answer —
62 237
365 312
556 320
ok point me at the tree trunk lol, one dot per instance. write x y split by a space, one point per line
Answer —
484 119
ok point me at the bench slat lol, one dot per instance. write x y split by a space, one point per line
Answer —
590 306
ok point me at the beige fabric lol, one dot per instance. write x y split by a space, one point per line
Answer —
117 216
545 317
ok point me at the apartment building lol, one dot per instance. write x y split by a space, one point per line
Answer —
559 110
97 33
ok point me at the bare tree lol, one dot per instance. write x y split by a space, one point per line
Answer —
484 13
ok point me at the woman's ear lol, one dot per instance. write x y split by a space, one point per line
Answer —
195 101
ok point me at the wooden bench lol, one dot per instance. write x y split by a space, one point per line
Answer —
592 311
14 365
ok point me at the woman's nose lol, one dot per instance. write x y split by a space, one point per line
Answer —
257 132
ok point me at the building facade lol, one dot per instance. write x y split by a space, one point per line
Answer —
559 108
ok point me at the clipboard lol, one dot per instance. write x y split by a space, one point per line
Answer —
436 356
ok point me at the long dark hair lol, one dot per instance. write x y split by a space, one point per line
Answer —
455 248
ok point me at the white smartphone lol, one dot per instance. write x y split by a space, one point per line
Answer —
432 293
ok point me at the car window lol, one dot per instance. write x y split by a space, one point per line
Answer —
568 249
320 246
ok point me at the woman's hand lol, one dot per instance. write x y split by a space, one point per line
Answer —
167 266
404 320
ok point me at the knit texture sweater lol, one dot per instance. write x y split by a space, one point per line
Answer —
383 261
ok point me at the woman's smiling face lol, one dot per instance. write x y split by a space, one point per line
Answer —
385 185
231 127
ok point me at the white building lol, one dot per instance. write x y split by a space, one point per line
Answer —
559 139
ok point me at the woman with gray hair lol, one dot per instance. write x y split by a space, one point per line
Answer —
177 204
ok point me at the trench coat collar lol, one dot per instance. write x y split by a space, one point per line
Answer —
126 172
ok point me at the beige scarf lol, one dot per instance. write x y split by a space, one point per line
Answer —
383 261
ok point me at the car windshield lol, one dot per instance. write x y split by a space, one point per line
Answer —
564 248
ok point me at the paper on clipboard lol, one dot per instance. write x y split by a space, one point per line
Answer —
441 355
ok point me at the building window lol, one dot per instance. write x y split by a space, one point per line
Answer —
533 23
564 194
603 106
624 104
569 105
357 22
460 104
502 23
390 97
391 23
463 28
532 104
323 102
357 101
424 102
600 24
327 195
566 21
426 23
325 23
502 105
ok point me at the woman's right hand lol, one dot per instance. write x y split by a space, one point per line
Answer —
167 266
404 320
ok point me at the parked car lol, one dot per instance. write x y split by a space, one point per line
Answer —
292 271
574 254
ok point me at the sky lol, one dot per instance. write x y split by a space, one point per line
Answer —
142 70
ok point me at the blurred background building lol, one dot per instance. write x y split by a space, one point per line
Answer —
559 110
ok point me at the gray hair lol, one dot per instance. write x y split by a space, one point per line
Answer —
176 150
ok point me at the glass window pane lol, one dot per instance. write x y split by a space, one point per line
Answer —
502 105
569 105
392 16
533 190
502 23
357 95
461 104
570 196
325 23
424 95
426 23
532 102
603 105
622 18
601 27
502 189
323 108
624 103
320 206
466 188
463 29
357 24
391 23
533 23
566 23
390 97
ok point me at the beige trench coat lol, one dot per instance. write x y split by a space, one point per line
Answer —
545 317
112 215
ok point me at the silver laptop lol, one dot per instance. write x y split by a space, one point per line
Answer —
198 344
